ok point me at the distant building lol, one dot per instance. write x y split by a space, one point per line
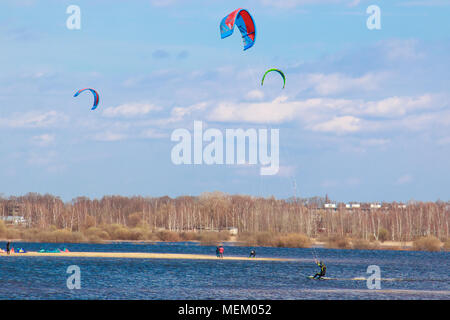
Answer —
352 206
375 206
329 205
402 206
13 219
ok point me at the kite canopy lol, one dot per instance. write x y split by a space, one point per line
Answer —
96 96
49 251
244 22
275 70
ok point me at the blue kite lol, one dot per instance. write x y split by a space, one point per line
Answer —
96 96
245 23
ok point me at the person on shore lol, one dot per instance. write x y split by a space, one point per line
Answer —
252 254
221 250
7 247
323 270
217 252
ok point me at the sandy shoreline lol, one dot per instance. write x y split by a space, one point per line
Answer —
136 255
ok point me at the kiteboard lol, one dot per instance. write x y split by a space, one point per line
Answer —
322 278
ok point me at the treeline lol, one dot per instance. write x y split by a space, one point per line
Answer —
218 211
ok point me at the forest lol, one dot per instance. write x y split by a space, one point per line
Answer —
150 218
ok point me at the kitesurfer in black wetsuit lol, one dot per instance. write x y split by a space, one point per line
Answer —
323 270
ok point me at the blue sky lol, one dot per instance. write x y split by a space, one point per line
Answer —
364 116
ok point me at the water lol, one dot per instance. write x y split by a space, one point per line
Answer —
419 275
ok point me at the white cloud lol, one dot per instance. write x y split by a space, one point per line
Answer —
33 119
178 113
109 136
427 3
426 121
153 134
163 3
354 3
254 95
401 49
329 84
339 125
338 115
286 171
37 75
43 139
398 106
130 110
276 111
374 142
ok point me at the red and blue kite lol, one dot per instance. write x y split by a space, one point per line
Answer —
96 96
245 23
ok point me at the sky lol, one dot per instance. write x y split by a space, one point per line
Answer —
364 116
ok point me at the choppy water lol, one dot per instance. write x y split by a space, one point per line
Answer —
419 275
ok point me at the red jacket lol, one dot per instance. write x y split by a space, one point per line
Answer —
221 250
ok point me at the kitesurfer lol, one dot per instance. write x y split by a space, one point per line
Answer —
7 247
252 254
217 252
221 251
323 270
